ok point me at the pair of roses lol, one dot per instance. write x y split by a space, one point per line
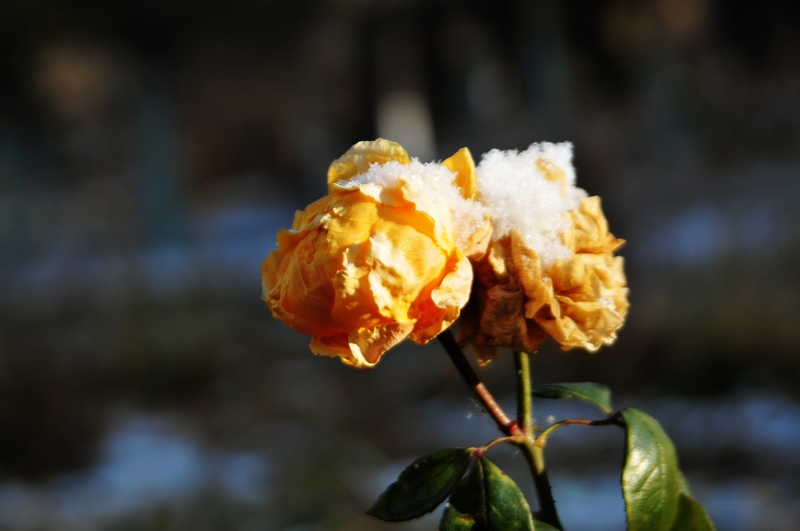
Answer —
400 249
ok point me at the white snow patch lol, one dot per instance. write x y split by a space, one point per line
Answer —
431 178
518 196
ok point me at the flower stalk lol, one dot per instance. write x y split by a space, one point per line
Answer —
503 421
533 453
524 396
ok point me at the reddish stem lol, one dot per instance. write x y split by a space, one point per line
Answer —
504 422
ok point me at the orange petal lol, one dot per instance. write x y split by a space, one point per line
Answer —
367 346
463 166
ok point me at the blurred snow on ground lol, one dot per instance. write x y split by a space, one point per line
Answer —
145 463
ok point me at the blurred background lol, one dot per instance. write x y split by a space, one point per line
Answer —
150 150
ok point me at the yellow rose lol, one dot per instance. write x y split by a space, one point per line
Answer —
373 262
580 298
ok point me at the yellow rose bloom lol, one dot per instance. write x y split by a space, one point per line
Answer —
563 282
375 261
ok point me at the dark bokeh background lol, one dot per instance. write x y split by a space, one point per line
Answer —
150 150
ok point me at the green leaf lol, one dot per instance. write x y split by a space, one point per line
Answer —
538 525
651 481
598 394
684 485
423 485
691 516
487 500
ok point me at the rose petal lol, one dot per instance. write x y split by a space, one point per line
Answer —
359 157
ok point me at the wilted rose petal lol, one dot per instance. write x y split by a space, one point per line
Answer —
362 155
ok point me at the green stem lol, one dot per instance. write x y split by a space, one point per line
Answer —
524 394
533 454
544 494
